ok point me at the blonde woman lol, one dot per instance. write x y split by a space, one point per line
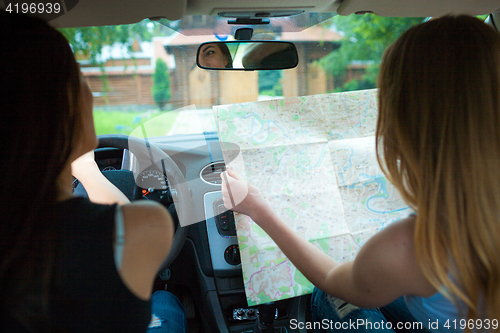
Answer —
438 141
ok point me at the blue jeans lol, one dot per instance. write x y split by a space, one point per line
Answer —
331 314
167 314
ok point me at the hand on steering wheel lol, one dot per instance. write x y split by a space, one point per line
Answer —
149 154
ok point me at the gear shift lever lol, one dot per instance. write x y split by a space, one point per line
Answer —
265 321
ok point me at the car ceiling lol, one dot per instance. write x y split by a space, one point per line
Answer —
114 12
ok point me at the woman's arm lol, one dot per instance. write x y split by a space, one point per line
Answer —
149 232
98 187
149 228
385 268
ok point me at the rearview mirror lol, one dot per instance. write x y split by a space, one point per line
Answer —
247 55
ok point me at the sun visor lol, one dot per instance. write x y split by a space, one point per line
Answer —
85 13
420 8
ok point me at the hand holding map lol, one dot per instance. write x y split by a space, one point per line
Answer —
313 159
240 196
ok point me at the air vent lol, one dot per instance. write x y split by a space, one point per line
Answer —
210 174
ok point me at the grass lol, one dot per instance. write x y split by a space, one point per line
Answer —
155 123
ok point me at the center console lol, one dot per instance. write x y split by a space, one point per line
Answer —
221 231
224 253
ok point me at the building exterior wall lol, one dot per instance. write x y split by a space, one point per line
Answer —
355 72
200 88
233 91
316 79
128 62
290 82
121 89
185 61
192 85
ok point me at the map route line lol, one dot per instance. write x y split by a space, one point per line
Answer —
319 158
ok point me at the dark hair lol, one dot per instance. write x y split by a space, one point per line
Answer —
227 55
39 100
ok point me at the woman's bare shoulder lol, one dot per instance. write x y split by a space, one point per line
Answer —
150 224
387 264
149 231
146 213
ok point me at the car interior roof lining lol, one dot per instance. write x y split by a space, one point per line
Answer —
115 12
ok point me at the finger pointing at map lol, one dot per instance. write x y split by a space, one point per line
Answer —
240 196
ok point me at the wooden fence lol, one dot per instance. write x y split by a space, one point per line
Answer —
206 88
128 89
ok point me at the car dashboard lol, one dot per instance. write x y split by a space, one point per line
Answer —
207 274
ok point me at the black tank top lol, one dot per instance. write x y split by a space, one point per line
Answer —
88 295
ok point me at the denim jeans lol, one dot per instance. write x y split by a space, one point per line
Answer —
167 314
331 314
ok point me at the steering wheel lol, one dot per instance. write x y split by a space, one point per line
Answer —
149 154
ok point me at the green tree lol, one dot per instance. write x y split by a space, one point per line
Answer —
89 41
161 84
270 83
365 38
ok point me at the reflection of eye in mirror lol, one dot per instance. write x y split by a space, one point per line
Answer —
248 55
214 55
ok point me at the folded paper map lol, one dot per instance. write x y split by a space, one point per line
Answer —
313 158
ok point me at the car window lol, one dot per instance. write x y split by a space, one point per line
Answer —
145 80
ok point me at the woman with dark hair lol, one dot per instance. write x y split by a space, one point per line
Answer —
438 142
215 55
66 264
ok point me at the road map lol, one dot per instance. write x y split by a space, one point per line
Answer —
313 158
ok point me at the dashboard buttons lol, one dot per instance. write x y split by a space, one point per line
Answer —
245 314
224 219
249 314
232 255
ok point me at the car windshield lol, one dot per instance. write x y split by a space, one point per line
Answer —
146 83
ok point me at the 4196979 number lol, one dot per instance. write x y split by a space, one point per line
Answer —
34 8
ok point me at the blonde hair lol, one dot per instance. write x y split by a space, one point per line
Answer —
438 142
